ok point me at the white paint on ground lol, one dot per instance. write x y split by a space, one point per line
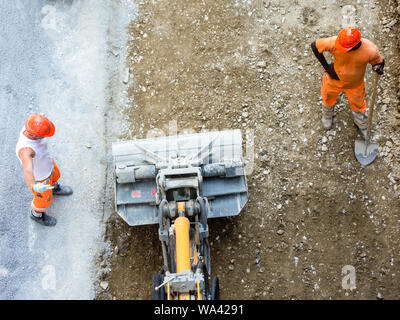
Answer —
3 272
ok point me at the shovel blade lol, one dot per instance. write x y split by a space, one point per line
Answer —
365 152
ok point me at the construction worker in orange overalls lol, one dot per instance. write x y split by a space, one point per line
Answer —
351 54
40 171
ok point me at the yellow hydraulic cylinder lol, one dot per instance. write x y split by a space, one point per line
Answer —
182 226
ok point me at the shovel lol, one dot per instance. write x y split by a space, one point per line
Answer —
365 151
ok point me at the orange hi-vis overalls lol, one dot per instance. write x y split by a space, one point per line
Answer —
43 200
350 68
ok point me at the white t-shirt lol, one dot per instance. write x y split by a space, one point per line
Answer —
42 161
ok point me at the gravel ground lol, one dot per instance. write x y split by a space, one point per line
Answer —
313 209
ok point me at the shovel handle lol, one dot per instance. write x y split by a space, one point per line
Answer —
372 103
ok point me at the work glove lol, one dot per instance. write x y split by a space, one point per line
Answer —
331 72
378 68
40 187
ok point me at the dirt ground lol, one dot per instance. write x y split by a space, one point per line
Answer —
312 208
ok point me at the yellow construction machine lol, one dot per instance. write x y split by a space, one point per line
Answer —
179 182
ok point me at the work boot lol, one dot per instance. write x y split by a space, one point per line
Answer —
361 122
43 219
60 190
327 123
327 117
362 132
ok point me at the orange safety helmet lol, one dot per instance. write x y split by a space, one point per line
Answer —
347 39
39 125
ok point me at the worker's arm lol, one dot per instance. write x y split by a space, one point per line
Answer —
327 67
26 155
377 61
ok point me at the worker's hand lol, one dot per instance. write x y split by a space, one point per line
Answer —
40 187
331 72
378 68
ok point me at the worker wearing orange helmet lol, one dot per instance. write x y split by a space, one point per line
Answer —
351 54
40 171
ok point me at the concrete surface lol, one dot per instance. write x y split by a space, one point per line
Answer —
53 61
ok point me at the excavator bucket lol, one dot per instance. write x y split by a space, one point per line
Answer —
211 163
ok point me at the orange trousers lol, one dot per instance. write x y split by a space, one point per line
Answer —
330 92
42 201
